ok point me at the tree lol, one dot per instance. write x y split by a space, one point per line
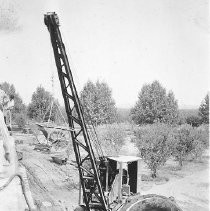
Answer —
204 110
198 142
19 107
111 138
39 108
182 142
153 145
98 104
204 130
155 105
193 120
20 120
189 116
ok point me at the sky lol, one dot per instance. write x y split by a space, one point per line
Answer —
125 43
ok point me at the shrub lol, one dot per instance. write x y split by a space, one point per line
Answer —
194 121
20 120
181 142
200 141
198 146
111 138
153 145
189 141
185 114
204 130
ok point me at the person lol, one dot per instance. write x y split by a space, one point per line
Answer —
4 136
4 133
7 112
4 99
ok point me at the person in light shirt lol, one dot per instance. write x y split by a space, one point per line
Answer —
4 99
4 137
7 112
4 133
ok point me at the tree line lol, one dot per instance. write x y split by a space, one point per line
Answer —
160 131
154 104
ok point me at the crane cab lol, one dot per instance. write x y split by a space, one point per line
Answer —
119 177
123 178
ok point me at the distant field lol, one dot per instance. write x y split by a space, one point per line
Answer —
123 114
188 112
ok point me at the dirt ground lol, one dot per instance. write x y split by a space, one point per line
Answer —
50 182
189 186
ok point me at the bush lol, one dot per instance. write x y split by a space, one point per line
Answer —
188 142
198 146
200 141
181 142
185 114
194 121
204 130
153 145
20 120
111 138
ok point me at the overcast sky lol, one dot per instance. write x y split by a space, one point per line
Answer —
125 43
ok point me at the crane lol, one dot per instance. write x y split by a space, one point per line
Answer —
93 195
102 176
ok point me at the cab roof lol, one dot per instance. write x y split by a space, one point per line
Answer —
124 158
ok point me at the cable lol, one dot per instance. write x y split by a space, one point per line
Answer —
74 67
95 133
96 148
97 140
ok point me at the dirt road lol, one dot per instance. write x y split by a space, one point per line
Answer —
190 192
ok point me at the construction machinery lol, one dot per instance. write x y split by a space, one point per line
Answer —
107 183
